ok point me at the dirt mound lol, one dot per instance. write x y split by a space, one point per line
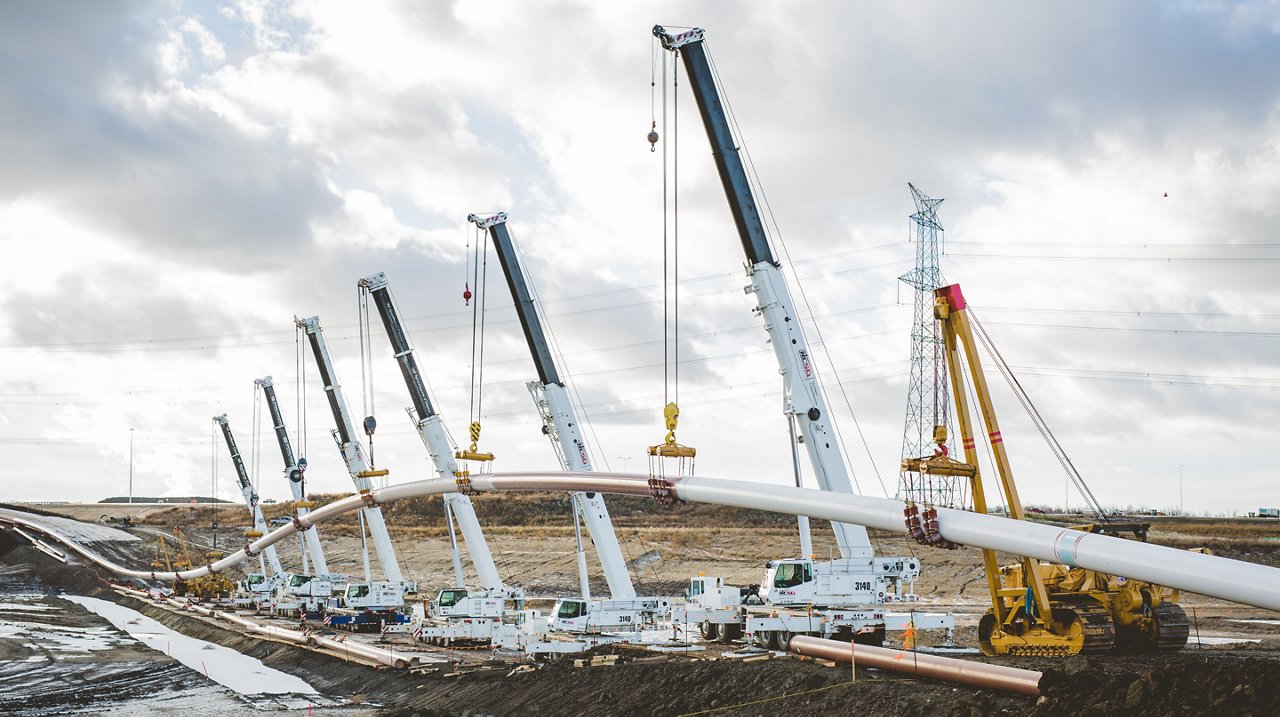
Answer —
1177 684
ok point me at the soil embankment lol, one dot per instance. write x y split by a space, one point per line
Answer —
1218 680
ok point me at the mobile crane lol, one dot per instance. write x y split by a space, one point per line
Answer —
374 602
857 577
456 613
260 586
1041 608
623 610
304 593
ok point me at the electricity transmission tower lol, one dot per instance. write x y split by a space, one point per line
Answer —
928 411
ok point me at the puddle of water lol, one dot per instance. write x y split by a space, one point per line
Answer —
1219 640
27 607
241 673
61 638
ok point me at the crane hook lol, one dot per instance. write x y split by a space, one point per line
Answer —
466 293
653 137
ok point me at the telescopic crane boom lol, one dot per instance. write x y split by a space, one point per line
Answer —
250 495
294 473
560 422
352 452
775 305
431 430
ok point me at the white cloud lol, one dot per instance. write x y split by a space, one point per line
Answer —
226 171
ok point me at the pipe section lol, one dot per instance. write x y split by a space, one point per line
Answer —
390 658
385 657
1234 580
947 669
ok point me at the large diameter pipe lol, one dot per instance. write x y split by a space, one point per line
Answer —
948 669
385 657
1234 580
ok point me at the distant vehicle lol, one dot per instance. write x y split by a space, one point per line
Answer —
282 520
1035 510
268 500
1269 512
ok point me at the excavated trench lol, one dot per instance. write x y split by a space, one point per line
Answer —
1241 681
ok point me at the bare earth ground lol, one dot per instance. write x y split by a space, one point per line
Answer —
533 543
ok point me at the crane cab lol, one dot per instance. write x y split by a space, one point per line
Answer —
711 593
837 583
788 582
459 603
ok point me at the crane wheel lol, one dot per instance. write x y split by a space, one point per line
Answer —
763 638
987 626
730 632
710 630
782 638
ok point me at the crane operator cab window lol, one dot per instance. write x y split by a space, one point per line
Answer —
357 591
695 588
298 581
449 598
256 578
571 609
790 575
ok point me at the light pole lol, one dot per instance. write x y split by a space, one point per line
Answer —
625 461
130 466
1180 509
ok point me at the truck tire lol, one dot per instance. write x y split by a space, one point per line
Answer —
874 637
782 638
730 632
762 638
710 630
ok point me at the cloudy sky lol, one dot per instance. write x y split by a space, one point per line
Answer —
180 179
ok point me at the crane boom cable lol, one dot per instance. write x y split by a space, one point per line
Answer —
554 344
675 219
755 180
475 279
666 223
484 295
1036 418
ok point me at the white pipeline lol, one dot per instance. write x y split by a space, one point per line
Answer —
1235 580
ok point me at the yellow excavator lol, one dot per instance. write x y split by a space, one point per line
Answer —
1039 608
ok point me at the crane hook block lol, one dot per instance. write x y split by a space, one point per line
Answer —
669 448
472 453
653 138
466 293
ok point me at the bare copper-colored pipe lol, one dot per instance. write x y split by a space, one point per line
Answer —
948 669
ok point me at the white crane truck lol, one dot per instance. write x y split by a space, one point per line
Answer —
258 589
372 604
623 611
457 613
840 597
314 590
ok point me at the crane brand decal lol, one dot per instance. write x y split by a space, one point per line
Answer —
804 363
